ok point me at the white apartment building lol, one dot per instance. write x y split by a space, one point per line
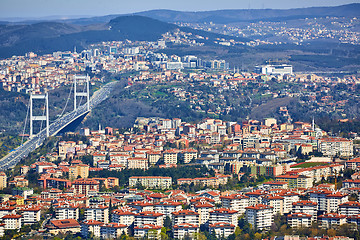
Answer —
307 207
203 208
237 202
122 217
222 229
148 230
66 211
289 199
167 207
30 215
185 229
152 218
12 221
224 215
98 213
336 146
260 216
331 220
349 208
185 216
89 227
297 220
277 202
153 182
113 230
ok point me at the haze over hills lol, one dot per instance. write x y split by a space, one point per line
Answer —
217 16
230 15
47 37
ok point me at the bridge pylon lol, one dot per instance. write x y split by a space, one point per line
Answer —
41 117
82 94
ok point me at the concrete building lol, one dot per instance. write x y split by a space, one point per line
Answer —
153 182
260 216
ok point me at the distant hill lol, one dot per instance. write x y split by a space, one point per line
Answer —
246 15
47 37
230 16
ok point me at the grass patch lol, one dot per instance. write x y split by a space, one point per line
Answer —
309 164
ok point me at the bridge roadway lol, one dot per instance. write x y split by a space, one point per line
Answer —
22 151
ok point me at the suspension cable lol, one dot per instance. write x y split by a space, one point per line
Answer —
67 101
27 113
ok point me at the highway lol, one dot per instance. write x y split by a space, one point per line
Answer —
23 151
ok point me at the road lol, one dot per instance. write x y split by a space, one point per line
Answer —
23 151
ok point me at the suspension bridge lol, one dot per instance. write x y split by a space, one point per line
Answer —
79 111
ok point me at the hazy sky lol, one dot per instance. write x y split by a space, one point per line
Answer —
41 8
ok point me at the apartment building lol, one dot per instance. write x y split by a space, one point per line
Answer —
148 231
79 170
170 156
91 227
307 207
30 215
222 229
299 219
113 230
98 213
185 216
122 217
12 221
153 182
331 220
138 163
237 202
349 208
203 208
336 146
277 202
85 186
3 180
260 216
147 217
167 207
182 230
188 155
224 215
66 211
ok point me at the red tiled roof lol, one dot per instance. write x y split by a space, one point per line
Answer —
65 223
184 212
224 211
11 216
221 225
259 207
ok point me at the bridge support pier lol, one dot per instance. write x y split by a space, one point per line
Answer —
41 117
82 94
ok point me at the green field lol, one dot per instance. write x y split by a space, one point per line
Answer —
309 164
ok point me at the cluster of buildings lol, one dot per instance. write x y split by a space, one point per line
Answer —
84 205
258 148
308 29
